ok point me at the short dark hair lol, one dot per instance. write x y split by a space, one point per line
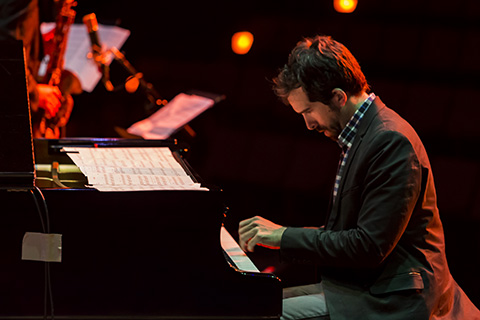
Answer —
319 65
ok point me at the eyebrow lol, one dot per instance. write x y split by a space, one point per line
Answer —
304 110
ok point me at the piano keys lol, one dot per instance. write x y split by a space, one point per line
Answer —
234 254
126 255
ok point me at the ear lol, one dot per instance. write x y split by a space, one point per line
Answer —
339 97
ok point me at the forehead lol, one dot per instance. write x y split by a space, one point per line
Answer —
298 100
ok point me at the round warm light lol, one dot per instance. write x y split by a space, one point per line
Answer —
131 84
345 6
242 42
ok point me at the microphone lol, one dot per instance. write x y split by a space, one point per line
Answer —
90 21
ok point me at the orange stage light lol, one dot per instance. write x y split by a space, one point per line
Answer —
345 6
131 84
242 42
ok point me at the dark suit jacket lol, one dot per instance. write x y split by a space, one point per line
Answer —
382 251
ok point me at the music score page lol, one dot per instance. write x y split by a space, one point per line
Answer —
131 169
77 58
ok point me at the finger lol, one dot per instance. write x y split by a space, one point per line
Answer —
57 92
252 243
243 245
250 223
48 110
245 228
52 109
246 222
248 240
244 237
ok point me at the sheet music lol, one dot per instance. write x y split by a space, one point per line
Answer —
79 46
177 113
238 256
131 169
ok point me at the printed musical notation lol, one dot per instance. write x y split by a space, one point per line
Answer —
131 169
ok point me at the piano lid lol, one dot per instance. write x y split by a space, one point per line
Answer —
16 157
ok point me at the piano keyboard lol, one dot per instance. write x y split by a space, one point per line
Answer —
234 254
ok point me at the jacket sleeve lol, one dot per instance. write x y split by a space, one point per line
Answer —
384 183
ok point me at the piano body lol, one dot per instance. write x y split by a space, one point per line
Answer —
125 255
135 255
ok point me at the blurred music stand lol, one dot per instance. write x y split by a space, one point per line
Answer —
173 117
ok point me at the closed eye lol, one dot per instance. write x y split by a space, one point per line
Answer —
306 111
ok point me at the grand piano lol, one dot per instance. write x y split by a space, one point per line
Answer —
125 255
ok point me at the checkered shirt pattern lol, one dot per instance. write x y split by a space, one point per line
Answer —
346 137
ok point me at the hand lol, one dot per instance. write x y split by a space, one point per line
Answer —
63 114
49 99
259 231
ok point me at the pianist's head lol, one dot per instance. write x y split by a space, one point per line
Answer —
322 81
319 65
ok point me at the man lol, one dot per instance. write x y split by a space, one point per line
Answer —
20 20
381 251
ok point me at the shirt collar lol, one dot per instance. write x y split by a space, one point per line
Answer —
346 137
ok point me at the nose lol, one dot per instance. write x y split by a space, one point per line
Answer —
310 123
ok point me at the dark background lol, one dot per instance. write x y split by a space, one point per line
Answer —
420 57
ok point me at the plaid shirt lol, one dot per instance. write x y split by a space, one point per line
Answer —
346 137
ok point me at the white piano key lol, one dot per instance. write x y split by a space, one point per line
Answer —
235 253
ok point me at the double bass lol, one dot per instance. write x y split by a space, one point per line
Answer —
56 75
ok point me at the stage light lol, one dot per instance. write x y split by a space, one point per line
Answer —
131 84
345 6
242 42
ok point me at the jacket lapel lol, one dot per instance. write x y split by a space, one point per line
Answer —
362 129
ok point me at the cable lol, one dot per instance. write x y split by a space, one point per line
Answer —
38 210
48 294
47 216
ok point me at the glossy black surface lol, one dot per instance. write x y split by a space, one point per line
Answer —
135 255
